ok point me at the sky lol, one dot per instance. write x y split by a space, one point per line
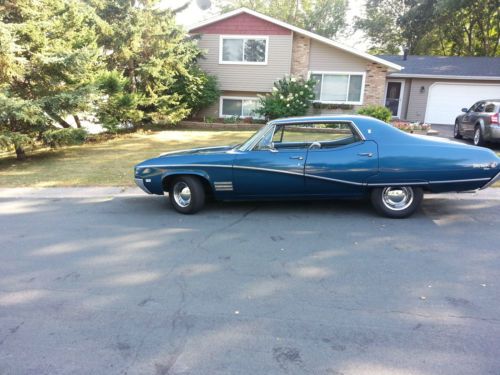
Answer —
193 14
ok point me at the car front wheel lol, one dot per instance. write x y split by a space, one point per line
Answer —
397 201
478 136
456 131
187 195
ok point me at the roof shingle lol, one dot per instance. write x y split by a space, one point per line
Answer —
447 65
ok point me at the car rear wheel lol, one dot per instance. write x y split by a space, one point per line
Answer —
478 136
456 131
397 201
187 195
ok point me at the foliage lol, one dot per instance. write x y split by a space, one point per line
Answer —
231 120
381 26
323 17
434 27
377 111
157 58
290 97
64 137
410 126
127 62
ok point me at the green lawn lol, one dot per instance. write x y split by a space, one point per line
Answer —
105 164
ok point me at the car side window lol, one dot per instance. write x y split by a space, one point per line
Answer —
315 135
480 107
490 108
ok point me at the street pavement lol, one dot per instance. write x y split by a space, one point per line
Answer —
112 281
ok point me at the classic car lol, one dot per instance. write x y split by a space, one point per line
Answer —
322 157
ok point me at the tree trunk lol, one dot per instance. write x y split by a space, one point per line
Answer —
77 120
59 119
20 153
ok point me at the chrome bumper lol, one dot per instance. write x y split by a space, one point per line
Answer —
491 182
140 182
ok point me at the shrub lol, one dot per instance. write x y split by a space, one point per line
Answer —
16 141
64 137
290 97
379 112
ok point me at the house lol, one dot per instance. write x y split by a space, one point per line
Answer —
249 51
434 89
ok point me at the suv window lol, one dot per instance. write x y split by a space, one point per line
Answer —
323 135
480 107
490 108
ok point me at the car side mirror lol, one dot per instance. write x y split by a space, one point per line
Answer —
465 110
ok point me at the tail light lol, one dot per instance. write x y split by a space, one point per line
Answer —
494 118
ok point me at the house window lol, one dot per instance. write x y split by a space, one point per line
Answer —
239 107
247 50
339 88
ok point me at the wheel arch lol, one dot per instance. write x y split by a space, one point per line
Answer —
168 178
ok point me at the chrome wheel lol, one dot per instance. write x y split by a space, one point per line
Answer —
182 194
477 136
455 131
397 198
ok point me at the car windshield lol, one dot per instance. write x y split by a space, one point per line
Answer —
253 138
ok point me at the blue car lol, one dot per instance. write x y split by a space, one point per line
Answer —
321 157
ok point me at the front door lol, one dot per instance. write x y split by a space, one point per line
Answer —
273 168
393 97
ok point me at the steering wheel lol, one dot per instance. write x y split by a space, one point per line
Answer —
314 146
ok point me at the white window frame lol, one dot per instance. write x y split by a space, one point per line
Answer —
363 79
244 37
221 99
401 94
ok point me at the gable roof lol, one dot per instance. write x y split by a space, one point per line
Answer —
298 30
454 67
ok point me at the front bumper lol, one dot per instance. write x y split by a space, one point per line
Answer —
140 182
492 181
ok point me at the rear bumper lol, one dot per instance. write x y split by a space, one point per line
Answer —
492 181
140 182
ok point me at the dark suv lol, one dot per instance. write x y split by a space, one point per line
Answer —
480 122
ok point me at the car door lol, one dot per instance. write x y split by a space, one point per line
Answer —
269 170
341 161
470 118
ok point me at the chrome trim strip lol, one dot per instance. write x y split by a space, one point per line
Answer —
464 180
396 183
139 182
491 182
188 165
269 170
335 180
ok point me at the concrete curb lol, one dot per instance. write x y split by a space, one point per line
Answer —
111 191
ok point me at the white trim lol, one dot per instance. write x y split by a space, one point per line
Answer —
467 78
299 31
362 94
222 97
243 37
401 94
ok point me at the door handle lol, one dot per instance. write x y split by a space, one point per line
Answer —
297 157
367 154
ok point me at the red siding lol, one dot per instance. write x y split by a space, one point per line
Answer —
242 24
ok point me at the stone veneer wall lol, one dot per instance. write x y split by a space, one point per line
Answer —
301 47
375 84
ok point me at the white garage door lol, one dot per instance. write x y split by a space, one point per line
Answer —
447 99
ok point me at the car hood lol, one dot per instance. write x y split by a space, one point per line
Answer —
194 151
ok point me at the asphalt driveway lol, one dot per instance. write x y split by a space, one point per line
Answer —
103 282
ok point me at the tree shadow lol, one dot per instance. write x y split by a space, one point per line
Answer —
126 285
